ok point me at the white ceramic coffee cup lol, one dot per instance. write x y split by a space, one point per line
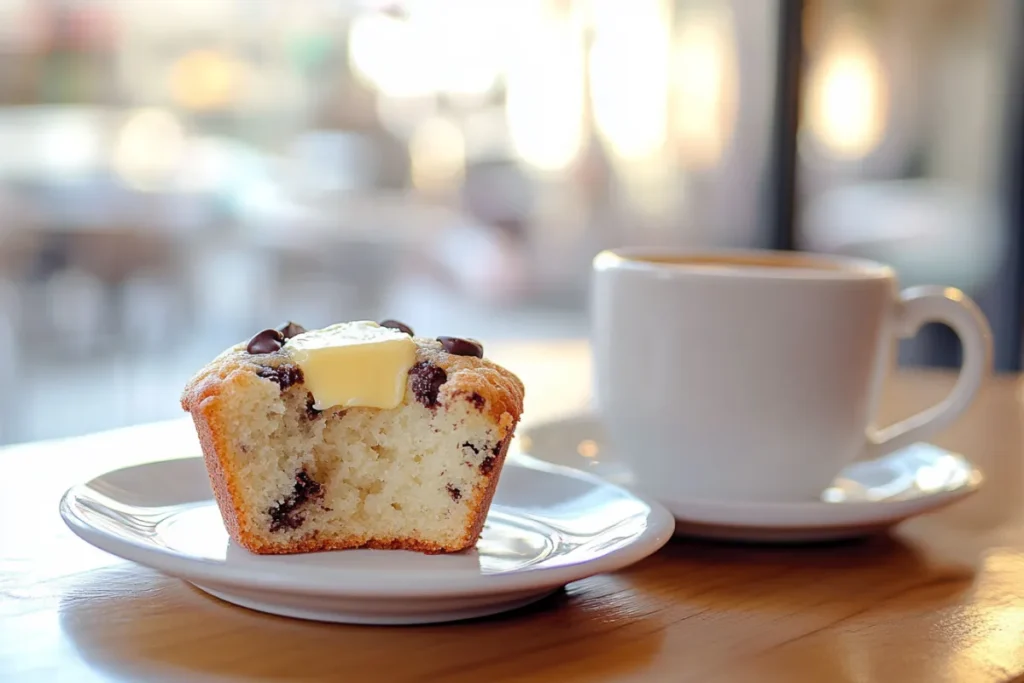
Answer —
755 375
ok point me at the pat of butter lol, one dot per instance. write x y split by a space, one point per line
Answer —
357 364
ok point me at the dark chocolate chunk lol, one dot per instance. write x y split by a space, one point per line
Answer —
311 412
282 517
487 466
426 380
477 400
287 513
290 329
395 325
488 463
471 447
457 346
284 375
454 492
267 341
306 487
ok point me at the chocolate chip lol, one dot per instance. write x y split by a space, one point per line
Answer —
477 400
286 514
290 329
395 325
454 492
305 486
471 460
487 466
425 381
311 412
488 463
457 346
284 375
283 517
267 341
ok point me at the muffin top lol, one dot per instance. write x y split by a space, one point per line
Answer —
365 364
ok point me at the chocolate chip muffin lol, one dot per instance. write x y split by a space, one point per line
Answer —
355 436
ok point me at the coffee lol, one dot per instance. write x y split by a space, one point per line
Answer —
765 260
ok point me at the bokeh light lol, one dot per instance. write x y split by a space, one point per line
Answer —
545 96
847 97
705 88
149 148
437 152
629 62
205 79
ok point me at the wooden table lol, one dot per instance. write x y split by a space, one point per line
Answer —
940 600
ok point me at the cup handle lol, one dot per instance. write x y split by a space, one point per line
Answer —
920 305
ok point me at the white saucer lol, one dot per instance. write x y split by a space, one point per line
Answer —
548 526
866 498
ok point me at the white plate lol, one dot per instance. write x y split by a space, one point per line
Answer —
866 498
548 526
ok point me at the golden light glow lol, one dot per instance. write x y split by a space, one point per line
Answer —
629 62
438 155
847 97
149 149
953 294
705 88
587 448
205 79
545 96
994 620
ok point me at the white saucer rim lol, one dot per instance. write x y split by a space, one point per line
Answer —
371 583
972 485
777 514
447 614
861 515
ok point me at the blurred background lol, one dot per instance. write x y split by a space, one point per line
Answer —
177 174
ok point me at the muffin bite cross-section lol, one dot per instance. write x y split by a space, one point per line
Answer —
358 435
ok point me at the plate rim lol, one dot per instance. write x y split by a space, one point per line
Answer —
370 583
775 515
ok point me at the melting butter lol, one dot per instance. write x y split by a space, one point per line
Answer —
356 364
